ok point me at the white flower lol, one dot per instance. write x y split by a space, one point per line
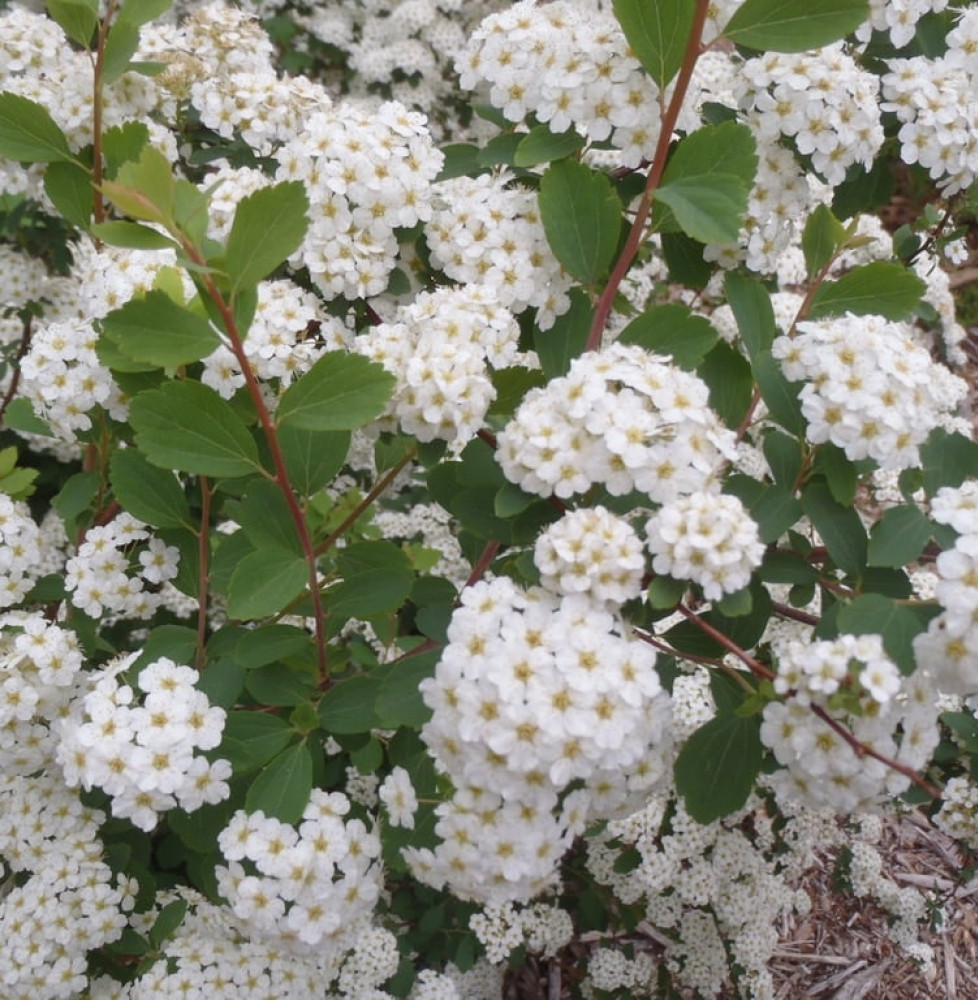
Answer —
397 794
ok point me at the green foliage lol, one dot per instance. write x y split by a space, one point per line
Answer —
582 218
658 33
28 133
794 25
882 288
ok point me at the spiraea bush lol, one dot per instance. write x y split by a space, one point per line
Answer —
477 482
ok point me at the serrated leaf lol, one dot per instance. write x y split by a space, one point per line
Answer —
266 519
282 787
840 527
167 921
77 18
581 216
775 511
822 236
708 209
349 706
728 376
268 226
222 682
147 492
947 460
840 473
673 330
312 458
28 134
370 592
69 186
716 769
137 12
340 392
500 150
794 25
144 188
727 149
277 684
684 258
156 330
540 145
265 582
657 32
882 288
899 536
188 427
271 643
461 160
123 144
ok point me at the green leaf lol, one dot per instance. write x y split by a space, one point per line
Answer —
251 739
461 160
370 592
716 769
222 682
28 134
266 519
271 643
794 25
684 258
77 19
727 149
69 186
156 330
152 494
500 150
510 500
268 226
822 236
175 642
348 707
775 511
873 614
899 536
168 920
123 144
312 458
840 527
709 209
664 592
511 385
340 392
399 702
76 495
277 684
786 567
541 145
947 460
840 473
131 235
188 427
144 188
581 216
282 787
673 330
730 381
137 12
657 32
120 47
784 456
567 338
882 288
20 416
265 582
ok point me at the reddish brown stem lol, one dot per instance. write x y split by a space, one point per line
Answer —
636 234
754 666
25 346
203 556
379 487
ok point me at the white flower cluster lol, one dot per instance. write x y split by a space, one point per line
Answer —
501 927
209 954
935 100
65 900
102 579
593 552
710 887
898 18
20 551
611 970
949 647
39 667
569 65
706 537
486 231
309 888
870 388
820 100
958 815
534 693
366 175
853 682
279 344
620 417
441 348
139 745
398 795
